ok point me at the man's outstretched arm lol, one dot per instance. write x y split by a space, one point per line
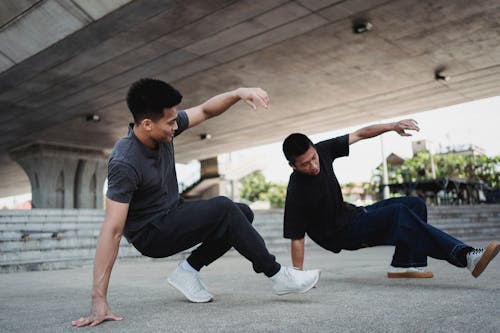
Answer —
371 131
220 103
106 252
298 253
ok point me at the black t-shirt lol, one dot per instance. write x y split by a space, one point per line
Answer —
144 178
314 204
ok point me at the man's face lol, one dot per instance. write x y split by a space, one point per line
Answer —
307 163
164 128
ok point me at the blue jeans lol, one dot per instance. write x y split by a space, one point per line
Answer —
402 222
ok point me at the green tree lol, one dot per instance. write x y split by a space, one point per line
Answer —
470 168
256 188
276 195
253 185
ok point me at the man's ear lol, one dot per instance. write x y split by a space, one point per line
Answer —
292 165
147 124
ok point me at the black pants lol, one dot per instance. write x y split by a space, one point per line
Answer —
218 224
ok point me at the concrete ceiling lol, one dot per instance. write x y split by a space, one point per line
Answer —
63 60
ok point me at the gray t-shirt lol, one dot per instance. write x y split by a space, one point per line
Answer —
144 178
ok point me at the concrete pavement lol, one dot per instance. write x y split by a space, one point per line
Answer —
353 296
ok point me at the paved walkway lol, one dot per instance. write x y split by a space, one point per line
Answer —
353 296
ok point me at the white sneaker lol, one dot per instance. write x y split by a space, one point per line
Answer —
408 272
189 284
291 280
478 259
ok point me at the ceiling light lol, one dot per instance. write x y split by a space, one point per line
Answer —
205 136
439 76
93 118
361 26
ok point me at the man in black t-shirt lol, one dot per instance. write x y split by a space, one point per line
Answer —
315 206
143 202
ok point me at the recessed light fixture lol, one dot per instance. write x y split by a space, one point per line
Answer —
440 76
440 73
93 118
361 25
205 136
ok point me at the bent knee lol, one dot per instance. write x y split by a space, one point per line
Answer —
401 208
417 201
225 204
222 202
246 211
418 205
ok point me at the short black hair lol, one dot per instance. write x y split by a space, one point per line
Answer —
295 145
147 98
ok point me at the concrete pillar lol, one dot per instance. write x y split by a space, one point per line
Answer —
210 184
209 173
63 176
89 180
209 168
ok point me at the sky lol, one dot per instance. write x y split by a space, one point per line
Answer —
476 122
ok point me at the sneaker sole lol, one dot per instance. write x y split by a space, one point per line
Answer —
281 293
491 251
193 300
410 275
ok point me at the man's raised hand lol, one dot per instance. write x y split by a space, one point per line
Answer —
407 124
254 96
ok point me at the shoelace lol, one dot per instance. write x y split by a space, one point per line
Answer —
476 251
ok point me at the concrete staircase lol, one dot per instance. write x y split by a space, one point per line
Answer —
51 239
43 239
468 222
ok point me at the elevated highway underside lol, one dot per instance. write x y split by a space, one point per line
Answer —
61 61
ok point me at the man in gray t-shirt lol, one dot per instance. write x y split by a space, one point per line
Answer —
143 202
144 175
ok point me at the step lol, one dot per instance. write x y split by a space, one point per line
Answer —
50 225
49 218
35 235
45 244
81 261
41 265
40 254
